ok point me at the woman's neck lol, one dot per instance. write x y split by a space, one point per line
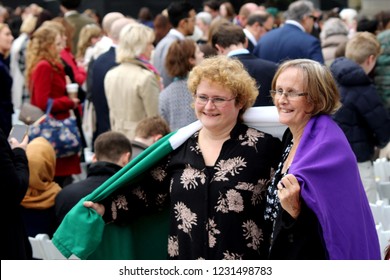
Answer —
218 135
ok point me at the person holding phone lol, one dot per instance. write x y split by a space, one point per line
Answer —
14 174
18 131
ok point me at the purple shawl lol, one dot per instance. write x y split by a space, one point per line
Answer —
327 171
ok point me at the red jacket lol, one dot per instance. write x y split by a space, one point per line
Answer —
80 75
45 83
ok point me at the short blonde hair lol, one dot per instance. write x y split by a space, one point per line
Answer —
319 84
229 73
133 40
361 46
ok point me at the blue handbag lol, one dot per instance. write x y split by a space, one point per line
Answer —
63 135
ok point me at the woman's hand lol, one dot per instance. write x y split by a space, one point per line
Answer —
76 102
99 208
289 195
15 144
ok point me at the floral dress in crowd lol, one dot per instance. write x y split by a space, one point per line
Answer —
216 212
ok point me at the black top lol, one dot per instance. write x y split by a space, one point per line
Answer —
14 176
69 196
214 214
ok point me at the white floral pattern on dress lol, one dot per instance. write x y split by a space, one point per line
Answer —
253 233
195 149
139 193
173 246
119 203
213 231
189 176
231 166
232 202
252 137
184 214
158 173
231 256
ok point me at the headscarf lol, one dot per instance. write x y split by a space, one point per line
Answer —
42 190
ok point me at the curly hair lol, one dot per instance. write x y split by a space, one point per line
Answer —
229 73
42 47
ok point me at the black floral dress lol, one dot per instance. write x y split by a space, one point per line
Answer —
216 212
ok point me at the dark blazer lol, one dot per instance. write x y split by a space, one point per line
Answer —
263 72
250 46
288 42
100 67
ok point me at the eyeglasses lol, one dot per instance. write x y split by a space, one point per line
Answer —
217 101
289 95
313 17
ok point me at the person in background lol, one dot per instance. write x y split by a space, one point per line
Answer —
258 24
145 17
147 132
203 21
93 14
90 34
226 10
382 73
97 73
216 180
45 78
334 32
317 188
363 117
230 40
349 16
77 20
6 106
131 100
112 151
293 39
175 101
38 203
19 93
14 175
244 12
211 7
161 26
182 18
106 42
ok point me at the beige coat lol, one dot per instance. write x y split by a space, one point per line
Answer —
132 93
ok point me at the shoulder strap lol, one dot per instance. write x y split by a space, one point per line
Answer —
49 106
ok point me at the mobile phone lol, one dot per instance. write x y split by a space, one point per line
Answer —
18 132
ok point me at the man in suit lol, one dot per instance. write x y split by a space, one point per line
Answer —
230 40
77 20
182 16
293 39
259 23
100 67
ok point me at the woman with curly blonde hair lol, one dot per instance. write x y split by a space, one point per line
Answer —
45 77
215 182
